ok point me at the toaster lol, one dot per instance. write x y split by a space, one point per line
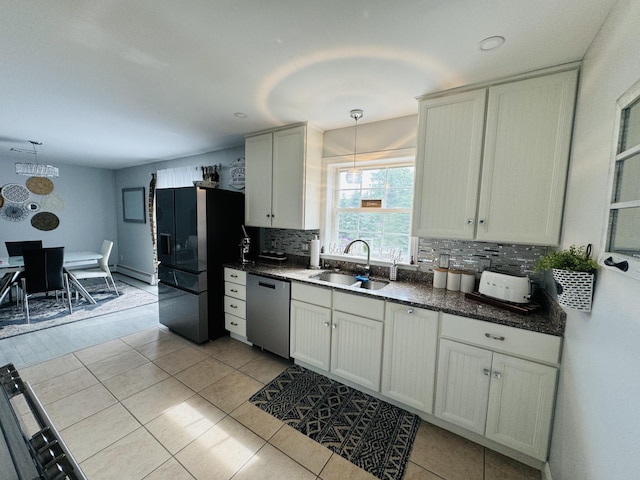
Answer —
502 286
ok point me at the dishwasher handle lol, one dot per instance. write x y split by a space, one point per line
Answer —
267 285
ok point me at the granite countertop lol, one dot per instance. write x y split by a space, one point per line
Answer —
420 294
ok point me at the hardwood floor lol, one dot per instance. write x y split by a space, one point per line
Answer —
35 347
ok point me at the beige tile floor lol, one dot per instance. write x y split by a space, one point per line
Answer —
153 406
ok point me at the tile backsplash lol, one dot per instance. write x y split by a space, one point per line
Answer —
467 255
292 242
476 256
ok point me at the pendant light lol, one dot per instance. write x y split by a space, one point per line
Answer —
354 176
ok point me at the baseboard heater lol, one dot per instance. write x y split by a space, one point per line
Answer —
30 446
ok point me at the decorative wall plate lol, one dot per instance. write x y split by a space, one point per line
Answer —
236 171
14 212
45 221
52 203
12 192
40 185
31 207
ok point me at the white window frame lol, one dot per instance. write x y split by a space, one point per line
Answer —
330 165
633 262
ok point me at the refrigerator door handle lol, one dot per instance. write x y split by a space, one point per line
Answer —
165 244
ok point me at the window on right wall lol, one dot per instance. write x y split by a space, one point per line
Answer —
623 235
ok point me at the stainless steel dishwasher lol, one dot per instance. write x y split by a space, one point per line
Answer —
268 313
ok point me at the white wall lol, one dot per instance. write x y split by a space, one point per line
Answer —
136 248
596 433
394 134
88 216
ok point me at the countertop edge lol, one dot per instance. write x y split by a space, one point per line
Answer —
419 295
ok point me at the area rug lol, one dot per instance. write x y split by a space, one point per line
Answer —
369 432
47 312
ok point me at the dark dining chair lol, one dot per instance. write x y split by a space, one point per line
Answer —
15 249
43 273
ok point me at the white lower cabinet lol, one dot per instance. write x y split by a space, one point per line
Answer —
521 400
410 348
235 305
327 333
310 340
507 399
356 349
310 315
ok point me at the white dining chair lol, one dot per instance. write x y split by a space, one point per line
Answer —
102 271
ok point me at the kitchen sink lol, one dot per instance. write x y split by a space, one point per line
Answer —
374 284
339 278
349 280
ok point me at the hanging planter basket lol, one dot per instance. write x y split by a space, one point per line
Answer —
574 289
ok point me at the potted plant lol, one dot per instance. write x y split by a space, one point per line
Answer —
574 273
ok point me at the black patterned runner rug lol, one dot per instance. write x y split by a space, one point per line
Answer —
369 432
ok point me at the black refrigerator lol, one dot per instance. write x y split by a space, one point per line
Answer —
198 230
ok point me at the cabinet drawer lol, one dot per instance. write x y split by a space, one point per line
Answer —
515 341
308 294
235 307
235 324
358 305
235 290
235 276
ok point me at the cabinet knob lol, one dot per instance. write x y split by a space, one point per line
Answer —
410 311
234 275
497 375
233 306
234 324
469 221
482 221
234 290
486 371
326 324
333 326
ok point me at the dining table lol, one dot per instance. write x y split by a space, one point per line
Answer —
10 268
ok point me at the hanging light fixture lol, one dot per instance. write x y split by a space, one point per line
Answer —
354 175
34 169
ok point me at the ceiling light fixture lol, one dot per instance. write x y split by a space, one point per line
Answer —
34 169
491 43
354 175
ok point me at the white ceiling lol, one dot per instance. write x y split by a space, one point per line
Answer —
116 83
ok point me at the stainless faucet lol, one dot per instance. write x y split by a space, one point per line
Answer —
367 267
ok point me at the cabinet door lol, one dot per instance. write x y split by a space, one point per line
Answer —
521 404
462 391
288 178
409 355
310 334
356 349
258 173
450 135
525 159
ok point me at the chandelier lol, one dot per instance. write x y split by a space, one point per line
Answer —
34 169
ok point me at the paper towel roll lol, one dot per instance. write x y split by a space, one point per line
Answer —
315 253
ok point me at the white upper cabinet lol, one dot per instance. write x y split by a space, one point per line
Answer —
258 168
526 155
449 156
282 178
495 174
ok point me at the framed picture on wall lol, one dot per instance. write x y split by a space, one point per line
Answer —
133 205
